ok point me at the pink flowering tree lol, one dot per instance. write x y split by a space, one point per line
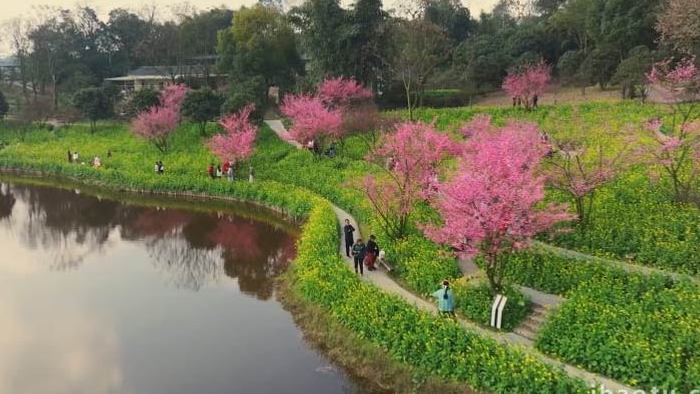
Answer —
342 92
528 84
237 143
579 171
173 95
411 156
676 147
339 107
158 122
491 207
312 120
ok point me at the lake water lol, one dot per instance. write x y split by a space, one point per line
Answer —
99 296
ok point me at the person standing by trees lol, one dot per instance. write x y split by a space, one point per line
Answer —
372 253
359 250
446 299
348 230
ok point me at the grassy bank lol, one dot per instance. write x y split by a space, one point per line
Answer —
424 343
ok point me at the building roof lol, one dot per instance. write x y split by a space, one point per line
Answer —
164 73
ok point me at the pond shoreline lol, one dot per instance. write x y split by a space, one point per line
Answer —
361 359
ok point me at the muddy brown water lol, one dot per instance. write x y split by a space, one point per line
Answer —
101 296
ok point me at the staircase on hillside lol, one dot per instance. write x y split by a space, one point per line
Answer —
532 323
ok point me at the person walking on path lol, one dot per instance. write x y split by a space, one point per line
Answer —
70 157
359 251
348 230
218 171
229 174
446 299
156 167
372 253
161 167
251 173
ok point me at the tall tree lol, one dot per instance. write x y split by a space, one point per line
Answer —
679 25
325 32
367 43
261 44
490 207
419 47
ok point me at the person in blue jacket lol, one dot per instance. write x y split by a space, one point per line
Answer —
446 299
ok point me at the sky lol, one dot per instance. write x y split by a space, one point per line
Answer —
26 8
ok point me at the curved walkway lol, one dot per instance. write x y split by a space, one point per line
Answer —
383 281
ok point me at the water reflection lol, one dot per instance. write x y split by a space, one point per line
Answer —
84 308
191 249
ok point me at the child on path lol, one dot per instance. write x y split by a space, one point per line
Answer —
358 252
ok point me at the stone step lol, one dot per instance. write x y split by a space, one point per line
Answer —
525 333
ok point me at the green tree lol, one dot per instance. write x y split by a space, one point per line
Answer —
452 16
261 45
142 100
326 31
94 104
4 106
600 65
368 43
418 48
202 106
631 73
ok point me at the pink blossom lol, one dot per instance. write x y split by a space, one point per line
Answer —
490 206
155 124
173 95
478 125
311 119
526 84
417 150
342 91
238 141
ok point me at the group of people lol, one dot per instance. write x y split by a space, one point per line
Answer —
366 255
96 162
159 168
227 170
314 147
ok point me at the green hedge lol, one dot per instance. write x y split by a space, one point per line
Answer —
430 343
636 219
644 331
474 301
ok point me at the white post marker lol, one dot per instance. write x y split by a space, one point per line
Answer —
499 317
494 309
499 303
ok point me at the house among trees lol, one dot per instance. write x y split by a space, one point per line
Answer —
200 72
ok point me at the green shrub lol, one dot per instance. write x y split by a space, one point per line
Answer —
474 300
644 331
432 344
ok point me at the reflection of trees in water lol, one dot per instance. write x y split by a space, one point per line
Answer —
69 225
254 258
185 266
192 249
7 201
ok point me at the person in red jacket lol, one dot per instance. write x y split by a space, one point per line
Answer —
210 170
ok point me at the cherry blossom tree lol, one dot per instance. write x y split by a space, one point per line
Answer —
311 119
490 207
158 122
341 92
676 147
528 84
579 170
238 141
411 155
173 95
